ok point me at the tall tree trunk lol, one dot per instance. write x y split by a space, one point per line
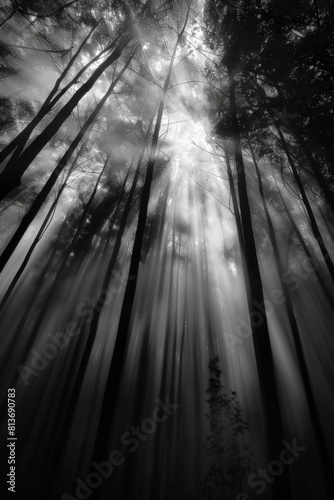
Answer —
170 331
41 231
124 327
327 292
238 222
11 175
304 371
6 360
9 17
54 289
32 212
314 224
295 128
21 139
93 328
264 359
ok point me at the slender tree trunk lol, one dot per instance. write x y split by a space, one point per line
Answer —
170 331
11 177
264 359
80 366
32 212
9 16
48 296
307 205
124 327
325 288
309 393
329 195
8 359
40 233
5 360
54 290
237 220
21 139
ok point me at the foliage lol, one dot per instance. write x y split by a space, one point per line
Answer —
281 49
226 443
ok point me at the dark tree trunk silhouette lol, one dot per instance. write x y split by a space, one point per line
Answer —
11 175
313 222
32 212
21 139
260 333
123 332
327 292
304 369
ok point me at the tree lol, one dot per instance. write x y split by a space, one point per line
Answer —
226 442
123 331
29 217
